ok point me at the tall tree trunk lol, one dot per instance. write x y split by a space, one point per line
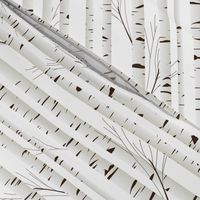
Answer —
64 16
51 12
185 60
164 91
195 26
138 42
89 35
106 30
180 59
28 4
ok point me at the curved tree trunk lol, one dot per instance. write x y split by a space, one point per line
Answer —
89 29
138 42
164 91
64 16
106 30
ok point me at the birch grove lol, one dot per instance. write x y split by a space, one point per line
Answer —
76 127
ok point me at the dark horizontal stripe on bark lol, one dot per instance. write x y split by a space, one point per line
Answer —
167 85
104 37
197 22
165 92
137 65
140 39
194 3
166 78
178 27
141 6
164 41
196 57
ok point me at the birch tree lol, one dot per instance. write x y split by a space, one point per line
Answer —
89 28
64 16
107 30
138 42
164 91
103 148
195 27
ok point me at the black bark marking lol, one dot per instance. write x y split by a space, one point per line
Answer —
152 196
31 39
77 127
77 192
164 124
151 177
111 91
44 165
137 65
141 6
25 151
194 3
132 186
194 139
140 39
78 89
56 78
107 170
110 150
110 176
164 41
63 181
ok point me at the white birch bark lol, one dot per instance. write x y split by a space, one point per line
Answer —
138 42
64 16
107 31
51 12
62 92
28 4
185 59
164 90
195 27
89 29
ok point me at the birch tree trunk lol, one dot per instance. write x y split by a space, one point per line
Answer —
180 58
164 91
28 4
51 12
64 16
185 60
138 42
195 27
89 37
106 30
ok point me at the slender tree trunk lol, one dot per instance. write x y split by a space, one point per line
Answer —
28 4
180 59
89 35
106 30
164 91
185 60
64 16
51 12
138 42
195 26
